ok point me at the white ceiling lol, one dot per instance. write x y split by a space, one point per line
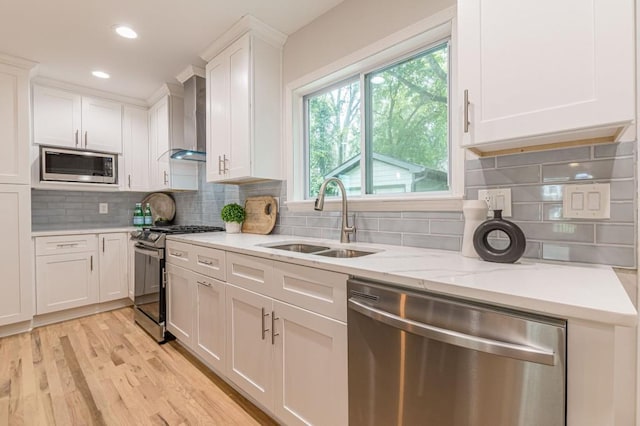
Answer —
71 38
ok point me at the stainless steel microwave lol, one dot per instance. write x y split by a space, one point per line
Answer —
70 165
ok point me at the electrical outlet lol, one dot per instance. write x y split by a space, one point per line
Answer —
498 199
103 208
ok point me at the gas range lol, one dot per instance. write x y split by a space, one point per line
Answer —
155 236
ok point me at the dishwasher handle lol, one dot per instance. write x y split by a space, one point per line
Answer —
495 347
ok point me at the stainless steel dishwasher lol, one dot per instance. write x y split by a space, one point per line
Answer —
424 359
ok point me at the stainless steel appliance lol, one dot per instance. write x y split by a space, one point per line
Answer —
150 278
70 165
424 359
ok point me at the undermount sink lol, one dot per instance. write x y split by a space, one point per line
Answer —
300 247
344 253
318 250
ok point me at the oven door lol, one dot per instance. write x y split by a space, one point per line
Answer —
149 296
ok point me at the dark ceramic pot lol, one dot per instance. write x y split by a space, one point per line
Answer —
511 253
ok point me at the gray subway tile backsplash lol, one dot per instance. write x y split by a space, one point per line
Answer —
537 207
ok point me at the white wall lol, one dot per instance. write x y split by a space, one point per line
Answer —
348 27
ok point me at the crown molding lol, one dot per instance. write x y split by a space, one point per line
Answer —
49 82
167 89
17 61
189 72
247 23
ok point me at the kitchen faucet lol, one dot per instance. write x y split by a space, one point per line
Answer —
319 205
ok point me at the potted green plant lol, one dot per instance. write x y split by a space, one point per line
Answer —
233 215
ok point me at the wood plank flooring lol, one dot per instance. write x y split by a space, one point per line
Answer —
104 370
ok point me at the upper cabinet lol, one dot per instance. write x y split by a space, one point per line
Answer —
66 119
543 72
14 121
166 132
243 103
135 138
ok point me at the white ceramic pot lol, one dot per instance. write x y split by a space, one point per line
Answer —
233 227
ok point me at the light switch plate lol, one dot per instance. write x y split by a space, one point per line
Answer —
498 199
103 208
587 201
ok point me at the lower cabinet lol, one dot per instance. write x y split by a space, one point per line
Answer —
196 313
79 270
292 361
114 279
65 281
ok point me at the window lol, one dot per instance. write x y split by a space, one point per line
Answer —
382 132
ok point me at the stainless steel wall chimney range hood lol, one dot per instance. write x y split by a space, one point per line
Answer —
194 120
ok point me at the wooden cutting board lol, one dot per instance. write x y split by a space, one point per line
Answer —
261 213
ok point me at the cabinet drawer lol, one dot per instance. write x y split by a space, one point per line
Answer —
251 273
179 253
320 291
65 244
208 261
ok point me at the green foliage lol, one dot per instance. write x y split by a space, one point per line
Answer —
406 114
233 213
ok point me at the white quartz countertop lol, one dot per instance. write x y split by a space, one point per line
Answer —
82 231
585 292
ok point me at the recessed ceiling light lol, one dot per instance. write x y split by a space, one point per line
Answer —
124 31
100 74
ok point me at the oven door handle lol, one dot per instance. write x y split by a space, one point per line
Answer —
495 347
149 252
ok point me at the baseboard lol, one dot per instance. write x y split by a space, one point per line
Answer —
83 311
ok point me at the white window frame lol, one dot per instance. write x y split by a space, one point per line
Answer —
419 36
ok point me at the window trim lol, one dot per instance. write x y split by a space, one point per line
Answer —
419 36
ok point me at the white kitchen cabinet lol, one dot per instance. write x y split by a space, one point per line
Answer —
114 279
14 124
545 72
310 367
166 129
135 149
16 299
67 119
243 111
209 336
249 348
66 274
180 303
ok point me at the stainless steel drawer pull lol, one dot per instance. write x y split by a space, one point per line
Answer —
273 328
92 263
176 254
262 329
204 283
86 140
67 245
77 131
466 111
495 347
206 262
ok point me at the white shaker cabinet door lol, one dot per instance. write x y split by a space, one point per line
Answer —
66 281
114 283
101 125
209 340
16 299
14 125
310 367
180 303
249 348
136 149
545 68
218 118
57 117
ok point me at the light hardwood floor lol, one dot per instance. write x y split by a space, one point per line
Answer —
104 370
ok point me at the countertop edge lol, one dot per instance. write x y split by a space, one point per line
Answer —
623 317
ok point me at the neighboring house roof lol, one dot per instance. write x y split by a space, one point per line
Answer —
411 167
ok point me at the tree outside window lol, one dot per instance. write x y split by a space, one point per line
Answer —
405 127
